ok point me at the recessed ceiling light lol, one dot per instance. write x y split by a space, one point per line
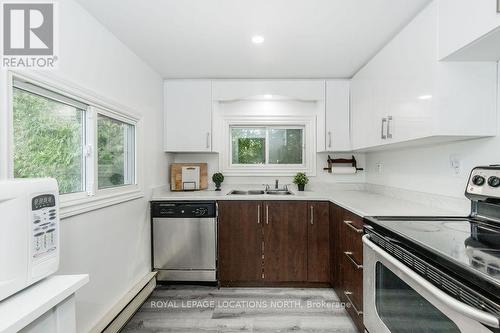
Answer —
268 96
257 39
424 97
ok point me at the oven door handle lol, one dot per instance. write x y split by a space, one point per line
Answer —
464 309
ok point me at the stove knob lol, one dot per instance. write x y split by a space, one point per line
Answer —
494 181
478 180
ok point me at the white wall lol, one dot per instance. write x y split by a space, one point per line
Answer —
427 169
111 244
321 176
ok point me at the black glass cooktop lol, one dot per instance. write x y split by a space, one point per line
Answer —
466 247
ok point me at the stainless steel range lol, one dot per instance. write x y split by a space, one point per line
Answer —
435 274
184 237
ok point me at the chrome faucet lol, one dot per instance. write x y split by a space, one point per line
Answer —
276 184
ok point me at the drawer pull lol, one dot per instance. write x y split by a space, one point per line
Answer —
347 294
349 224
349 255
258 214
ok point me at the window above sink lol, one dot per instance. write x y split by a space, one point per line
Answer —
252 145
268 146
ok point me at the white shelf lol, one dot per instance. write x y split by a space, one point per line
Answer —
24 307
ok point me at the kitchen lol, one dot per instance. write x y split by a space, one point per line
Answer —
180 135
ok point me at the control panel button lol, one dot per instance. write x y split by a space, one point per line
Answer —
478 180
494 181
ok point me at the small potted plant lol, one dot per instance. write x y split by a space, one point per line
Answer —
300 180
217 178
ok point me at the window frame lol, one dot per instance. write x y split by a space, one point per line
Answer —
307 123
267 164
91 197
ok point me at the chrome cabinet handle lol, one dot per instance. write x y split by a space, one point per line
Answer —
267 214
347 294
312 215
382 132
389 134
349 224
329 139
258 214
349 255
208 139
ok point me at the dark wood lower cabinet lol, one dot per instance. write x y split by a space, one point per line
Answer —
240 241
346 230
274 243
318 240
293 243
285 241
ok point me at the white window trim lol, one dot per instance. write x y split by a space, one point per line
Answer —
308 123
77 203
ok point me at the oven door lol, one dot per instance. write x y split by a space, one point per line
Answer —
396 300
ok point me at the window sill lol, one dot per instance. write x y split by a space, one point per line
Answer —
70 208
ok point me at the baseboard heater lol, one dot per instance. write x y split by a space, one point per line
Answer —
121 313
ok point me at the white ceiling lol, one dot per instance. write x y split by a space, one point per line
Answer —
212 38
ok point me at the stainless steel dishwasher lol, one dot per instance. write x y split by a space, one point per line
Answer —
184 240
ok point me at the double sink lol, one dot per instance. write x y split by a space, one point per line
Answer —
260 192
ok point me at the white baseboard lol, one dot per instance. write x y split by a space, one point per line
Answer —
120 314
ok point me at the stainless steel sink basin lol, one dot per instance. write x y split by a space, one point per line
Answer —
279 192
256 192
260 192
238 192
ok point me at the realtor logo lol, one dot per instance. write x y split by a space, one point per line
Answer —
29 35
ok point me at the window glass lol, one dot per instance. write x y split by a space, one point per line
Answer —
116 150
267 145
48 140
403 310
285 146
248 145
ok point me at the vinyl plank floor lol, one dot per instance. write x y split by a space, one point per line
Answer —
208 309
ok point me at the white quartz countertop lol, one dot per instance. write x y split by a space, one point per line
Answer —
360 202
24 307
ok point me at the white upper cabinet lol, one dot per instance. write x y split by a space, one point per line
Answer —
469 30
405 95
337 116
188 114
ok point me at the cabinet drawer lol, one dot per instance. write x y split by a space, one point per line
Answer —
352 228
353 291
354 222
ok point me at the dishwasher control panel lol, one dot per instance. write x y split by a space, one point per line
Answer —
183 209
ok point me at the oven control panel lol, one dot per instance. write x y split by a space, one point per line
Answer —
44 225
484 182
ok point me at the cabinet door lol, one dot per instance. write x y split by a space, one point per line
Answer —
188 111
335 248
365 123
337 116
318 242
240 241
285 241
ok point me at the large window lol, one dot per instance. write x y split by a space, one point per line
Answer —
90 150
282 145
49 139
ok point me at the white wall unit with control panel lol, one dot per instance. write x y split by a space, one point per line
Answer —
405 96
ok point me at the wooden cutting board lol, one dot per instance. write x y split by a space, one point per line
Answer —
176 175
